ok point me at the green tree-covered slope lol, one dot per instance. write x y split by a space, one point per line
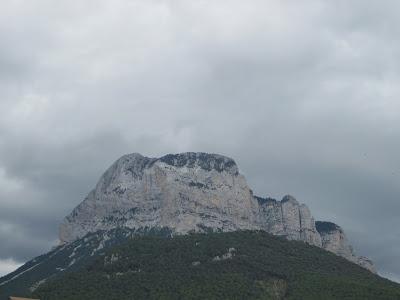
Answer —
237 265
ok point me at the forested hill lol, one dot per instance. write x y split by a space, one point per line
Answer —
236 265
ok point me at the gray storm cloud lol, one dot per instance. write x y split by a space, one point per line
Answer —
303 95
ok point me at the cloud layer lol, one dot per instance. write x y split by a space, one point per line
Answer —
303 95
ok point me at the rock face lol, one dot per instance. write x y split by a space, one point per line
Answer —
193 192
288 218
184 192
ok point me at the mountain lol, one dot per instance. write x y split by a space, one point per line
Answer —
177 194
184 192
192 192
231 265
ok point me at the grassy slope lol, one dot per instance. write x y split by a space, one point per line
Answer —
262 267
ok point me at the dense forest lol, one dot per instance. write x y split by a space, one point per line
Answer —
236 265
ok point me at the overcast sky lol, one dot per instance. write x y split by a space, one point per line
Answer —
304 95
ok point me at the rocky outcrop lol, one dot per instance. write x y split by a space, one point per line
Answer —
334 240
288 218
190 192
183 192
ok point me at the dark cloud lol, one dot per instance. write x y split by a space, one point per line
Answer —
304 96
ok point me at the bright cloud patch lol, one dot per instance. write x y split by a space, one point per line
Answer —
7 266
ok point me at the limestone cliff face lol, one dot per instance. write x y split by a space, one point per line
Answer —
190 192
288 218
184 192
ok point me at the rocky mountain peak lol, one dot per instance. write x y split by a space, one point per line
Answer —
184 192
193 192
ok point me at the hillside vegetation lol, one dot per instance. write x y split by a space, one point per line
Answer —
236 265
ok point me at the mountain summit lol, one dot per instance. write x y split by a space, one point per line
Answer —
194 192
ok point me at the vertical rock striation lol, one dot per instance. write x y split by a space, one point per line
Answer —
288 218
183 192
193 192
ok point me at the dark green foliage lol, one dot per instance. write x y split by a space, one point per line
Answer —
68 258
198 266
263 201
323 226
205 161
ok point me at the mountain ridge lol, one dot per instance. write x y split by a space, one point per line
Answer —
193 191
175 195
